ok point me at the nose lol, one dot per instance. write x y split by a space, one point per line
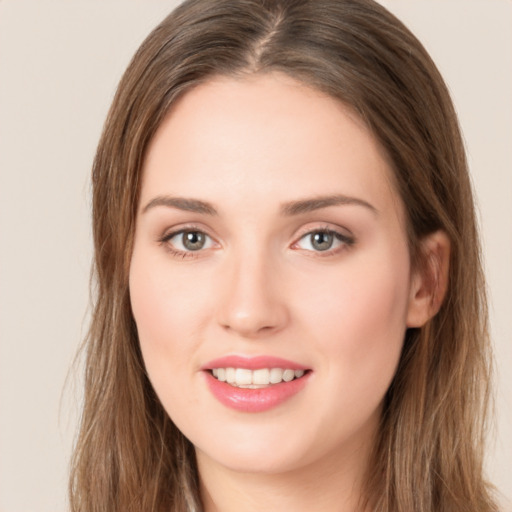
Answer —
252 300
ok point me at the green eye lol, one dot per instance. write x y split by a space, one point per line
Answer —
193 240
323 240
188 241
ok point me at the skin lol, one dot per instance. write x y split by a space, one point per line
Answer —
259 287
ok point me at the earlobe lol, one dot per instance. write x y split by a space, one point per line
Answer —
429 281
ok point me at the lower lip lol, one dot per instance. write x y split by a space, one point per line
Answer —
255 400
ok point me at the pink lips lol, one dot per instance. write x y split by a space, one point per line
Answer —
252 363
253 400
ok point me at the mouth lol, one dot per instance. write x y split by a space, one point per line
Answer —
255 384
255 379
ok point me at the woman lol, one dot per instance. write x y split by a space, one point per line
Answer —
290 309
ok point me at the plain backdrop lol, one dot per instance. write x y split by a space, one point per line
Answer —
60 62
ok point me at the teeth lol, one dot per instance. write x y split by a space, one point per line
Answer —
276 375
288 375
230 375
244 378
261 377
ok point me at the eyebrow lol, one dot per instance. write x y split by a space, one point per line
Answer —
182 203
291 208
316 203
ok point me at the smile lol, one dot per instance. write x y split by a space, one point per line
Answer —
255 384
255 379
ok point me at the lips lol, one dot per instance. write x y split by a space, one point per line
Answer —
254 384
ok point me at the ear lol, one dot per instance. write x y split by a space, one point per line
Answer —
429 281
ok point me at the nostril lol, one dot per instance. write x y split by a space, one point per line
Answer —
250 329
251 301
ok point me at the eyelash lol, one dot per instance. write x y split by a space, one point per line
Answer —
177 253
346 241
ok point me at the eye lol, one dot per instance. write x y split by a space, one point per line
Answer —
323 240
188 240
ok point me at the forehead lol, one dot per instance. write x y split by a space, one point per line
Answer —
263 136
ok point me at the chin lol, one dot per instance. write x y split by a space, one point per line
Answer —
253 461
264 450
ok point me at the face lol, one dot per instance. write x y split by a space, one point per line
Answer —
270 279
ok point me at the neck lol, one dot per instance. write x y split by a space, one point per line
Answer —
333 484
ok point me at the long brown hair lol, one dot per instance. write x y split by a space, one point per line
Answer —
129 455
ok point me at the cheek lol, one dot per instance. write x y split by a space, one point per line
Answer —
167 312
378 304
358 320
367 295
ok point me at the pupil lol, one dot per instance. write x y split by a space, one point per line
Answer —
193 240
322 241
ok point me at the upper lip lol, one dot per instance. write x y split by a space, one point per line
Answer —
252 363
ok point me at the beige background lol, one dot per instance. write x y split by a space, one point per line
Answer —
59 65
